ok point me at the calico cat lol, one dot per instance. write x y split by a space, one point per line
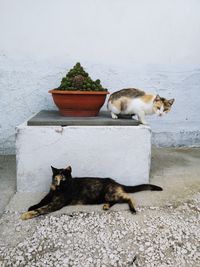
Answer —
66 190
136 102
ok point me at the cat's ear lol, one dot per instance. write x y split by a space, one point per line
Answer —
69 169
157 98
54 170
67 172
171 101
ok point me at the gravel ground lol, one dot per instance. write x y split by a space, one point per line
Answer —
156 236
164 232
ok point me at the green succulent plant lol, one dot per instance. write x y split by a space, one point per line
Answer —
78 79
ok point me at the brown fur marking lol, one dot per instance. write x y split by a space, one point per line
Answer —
124 104
117 104
121 104
168 104
129 92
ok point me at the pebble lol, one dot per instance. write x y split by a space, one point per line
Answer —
106 239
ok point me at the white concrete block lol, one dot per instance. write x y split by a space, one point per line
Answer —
120 152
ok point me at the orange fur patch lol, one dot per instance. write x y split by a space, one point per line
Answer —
29 214
147 98
58 178
53 187
106 206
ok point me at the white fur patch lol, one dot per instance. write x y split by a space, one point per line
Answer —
137 106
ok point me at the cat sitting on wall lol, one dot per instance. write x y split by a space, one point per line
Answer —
136 102
66 190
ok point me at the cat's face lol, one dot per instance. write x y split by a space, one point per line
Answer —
162 105
60 176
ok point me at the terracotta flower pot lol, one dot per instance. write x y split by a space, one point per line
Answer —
79 103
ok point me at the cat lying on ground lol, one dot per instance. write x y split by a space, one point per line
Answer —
66 190
136 102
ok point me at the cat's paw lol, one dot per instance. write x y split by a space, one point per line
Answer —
106 207
28 215
114 116
133 211
25 215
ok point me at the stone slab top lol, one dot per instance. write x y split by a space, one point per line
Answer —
53 118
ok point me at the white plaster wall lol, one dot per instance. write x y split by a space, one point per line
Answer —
93 150
152 45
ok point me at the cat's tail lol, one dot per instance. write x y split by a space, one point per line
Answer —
141 187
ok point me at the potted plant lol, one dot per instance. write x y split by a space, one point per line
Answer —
78 94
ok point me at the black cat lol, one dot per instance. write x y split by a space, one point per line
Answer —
66 190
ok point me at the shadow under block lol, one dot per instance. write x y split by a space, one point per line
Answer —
121 151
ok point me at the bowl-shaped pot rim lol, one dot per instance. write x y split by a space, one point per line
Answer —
55 91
